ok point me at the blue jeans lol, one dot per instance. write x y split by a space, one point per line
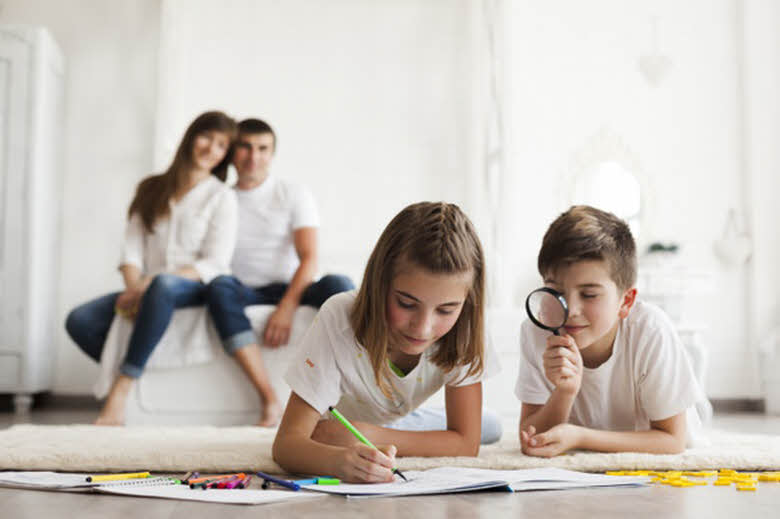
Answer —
226 298
435 419
89 323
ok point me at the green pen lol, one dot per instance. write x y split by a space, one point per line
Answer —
358 434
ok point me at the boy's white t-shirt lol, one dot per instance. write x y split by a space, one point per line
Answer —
268 215
333 369
647 377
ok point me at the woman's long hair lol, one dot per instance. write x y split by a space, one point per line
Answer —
437 237
154 192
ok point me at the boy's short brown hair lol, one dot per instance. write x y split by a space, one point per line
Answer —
587 233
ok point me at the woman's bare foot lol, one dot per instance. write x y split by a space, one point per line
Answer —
271 414
113 412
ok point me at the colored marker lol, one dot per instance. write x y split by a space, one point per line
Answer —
292 485
245 482
233 484
358 434
223 483
329 481
215 477
117 477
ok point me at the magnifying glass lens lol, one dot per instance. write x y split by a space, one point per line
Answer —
547 309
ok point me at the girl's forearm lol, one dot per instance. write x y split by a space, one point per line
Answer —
302 455
654 441
422 443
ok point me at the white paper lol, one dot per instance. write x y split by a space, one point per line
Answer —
444 480
232 496
43 480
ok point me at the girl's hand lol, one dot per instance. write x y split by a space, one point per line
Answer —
362 464
563 363
553 442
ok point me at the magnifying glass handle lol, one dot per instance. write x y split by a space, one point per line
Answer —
555 331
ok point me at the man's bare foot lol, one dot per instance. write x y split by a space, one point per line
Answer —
272 413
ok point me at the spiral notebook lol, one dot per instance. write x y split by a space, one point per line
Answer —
156 487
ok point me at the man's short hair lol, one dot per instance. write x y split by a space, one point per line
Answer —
586 233
255 126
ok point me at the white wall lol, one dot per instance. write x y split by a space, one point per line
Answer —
370 100
378 104
761 51
573 72
110 51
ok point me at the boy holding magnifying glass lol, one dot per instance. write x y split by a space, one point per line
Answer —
616 377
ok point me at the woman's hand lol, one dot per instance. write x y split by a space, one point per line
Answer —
557 440
563 363
363 464
127 303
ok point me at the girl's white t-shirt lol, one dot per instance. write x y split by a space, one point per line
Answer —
647 377
333 369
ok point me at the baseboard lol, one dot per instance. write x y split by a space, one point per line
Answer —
738 405
52 401
60 401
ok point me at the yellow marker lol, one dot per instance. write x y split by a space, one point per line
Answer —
117 477
746 487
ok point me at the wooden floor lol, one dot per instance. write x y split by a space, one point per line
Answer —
653 501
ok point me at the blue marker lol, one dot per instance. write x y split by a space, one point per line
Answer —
292 485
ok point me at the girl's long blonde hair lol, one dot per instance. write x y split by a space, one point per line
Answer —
439 238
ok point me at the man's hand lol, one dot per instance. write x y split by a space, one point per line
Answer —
277 329
563 364
559 439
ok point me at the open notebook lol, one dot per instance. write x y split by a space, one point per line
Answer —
445 480
159 487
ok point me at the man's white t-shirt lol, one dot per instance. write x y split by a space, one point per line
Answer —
333 369
268 215
647 377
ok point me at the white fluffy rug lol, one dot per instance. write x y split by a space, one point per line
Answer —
88 448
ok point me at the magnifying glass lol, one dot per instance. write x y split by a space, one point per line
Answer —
547 309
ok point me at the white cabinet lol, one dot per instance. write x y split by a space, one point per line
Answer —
31 165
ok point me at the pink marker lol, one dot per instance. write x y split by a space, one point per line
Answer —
245 482
225 482
233 484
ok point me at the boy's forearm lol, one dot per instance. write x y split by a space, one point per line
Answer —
555 411
654 441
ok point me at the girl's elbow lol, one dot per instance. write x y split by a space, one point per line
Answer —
278 452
